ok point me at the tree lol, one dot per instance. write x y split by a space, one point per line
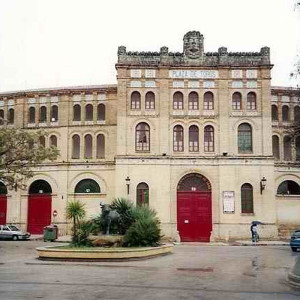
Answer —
20 152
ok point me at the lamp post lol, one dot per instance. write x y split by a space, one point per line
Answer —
127 179
262 184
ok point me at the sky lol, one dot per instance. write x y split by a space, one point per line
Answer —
56 43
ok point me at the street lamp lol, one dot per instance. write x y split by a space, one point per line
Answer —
262 184
127 179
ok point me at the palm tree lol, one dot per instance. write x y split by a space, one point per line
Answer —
75 211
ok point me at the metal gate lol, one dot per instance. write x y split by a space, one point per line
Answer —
194 219
39 213
3 209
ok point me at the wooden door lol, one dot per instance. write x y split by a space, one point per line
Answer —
194 219
39 212
3 209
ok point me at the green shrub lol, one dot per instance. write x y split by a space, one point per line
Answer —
125 209
83 231
144 232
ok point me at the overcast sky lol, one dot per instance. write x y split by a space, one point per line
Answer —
68 42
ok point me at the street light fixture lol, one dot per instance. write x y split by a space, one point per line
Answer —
262 184
127 179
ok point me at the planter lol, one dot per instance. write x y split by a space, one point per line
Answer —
62 253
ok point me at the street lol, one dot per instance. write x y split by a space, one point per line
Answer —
191 272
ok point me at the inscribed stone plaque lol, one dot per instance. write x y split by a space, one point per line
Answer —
135 73
11 102
178 84
208 84
76 98
228 201
251 84
237 84
101 97
237 73
193 84
251 73
89 97
193 74
31 100
150 83
54 99
135 83
42 99
150 73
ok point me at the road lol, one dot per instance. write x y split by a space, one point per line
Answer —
191 272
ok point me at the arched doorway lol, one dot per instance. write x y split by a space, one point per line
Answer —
39 206
194 220
3 203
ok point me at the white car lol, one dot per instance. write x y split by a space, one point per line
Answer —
13 232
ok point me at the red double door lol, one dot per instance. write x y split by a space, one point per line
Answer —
39 212
3 209
194 219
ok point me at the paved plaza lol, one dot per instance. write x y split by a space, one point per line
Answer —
193 271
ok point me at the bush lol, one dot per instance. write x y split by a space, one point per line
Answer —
125 209
81 238
145 231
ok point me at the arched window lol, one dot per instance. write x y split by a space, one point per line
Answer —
40 187
135 100
236 101
43 114
1 116
76 112
193 138
178 101
88 146
178 140
150 100
208 101
274 113
101 112
54 113
244 138
86 186
42 141
287 148
275 146
89 112
142 137
288 187
251 101
193 101
100 146
76 146
142 194
32 115
285 113
193 182
53 140
247 198
11 116
297 114
209 139
297 144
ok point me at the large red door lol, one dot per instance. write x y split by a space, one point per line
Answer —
39 213
194 220
3 208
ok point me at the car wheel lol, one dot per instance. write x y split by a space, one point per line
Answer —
294 249
15 238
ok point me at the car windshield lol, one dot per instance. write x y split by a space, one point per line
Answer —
14 228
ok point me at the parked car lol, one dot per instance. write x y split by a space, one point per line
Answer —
13 232
295 240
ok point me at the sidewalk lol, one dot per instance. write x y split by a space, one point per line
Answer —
260 243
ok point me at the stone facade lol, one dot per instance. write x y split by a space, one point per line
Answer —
147 85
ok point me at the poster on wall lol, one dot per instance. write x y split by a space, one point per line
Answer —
228 202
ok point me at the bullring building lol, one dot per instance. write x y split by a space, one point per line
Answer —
201 137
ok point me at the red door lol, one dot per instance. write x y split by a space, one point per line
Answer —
3 208
194 221
39 213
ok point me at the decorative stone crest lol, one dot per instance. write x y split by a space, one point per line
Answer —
193 44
